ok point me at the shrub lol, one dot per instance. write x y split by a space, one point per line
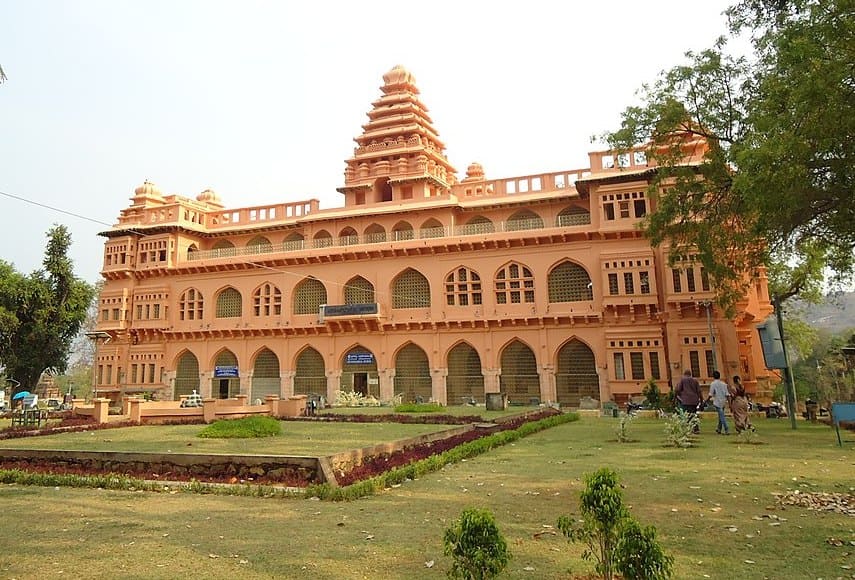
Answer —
477 546
245 428
679 429
418 408
613 539
652 395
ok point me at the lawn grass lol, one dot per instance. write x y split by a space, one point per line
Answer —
297 438
693 497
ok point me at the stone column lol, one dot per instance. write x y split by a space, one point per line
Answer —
548 392
246 383
387 384
102 410
286 383
209 410
491 380
439 391
169 383
333 384
204 384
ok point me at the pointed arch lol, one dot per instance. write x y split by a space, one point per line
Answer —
465 380
402 231
524 219
259 241
479 225
267 300
308 296
576 374
225 387
412 374
463 287
323 239
265 375
294 241
358 290
432 228
191 249
186 375
222 245
410 289
574 215
310 377
514 284
359 372
229 303
569 282
375 233
519 380
348 237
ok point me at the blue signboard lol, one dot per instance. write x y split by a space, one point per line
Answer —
359 358
224 372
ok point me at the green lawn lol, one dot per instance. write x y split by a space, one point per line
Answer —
711 506
456 410
297 438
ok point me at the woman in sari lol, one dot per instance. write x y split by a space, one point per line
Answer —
739 406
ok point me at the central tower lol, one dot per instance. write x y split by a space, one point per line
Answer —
399 155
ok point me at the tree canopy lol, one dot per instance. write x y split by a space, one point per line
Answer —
775 188
40 314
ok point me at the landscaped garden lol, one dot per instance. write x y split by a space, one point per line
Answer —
713 505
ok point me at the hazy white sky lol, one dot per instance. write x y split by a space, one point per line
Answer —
260 101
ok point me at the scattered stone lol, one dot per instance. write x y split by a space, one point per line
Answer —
842 503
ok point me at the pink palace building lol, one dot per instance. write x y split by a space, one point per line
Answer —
537 286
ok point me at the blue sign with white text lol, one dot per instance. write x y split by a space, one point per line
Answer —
224 372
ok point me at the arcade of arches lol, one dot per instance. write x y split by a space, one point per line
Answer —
462 380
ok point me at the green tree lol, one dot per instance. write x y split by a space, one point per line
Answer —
40 314
477 546
775 187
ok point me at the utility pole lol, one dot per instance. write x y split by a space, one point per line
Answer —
789 387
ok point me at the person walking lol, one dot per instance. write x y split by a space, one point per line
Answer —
688 393
719 394
739 406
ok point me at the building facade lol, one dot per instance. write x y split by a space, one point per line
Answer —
423 285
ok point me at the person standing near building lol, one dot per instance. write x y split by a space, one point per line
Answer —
688 393
719 394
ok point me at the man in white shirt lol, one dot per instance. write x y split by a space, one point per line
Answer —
719 394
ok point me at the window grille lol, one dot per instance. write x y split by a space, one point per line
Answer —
310 376
628 284
308 296
465 381
620 372
675 276
410 290
190 306
265 376
519 380
375 234
478 225
574 216
569 282
654 365
524 220
229 304
403 231
636 363
432 229
222 245
267 301
186 375
323 240
514 284
710 362
463 288
576 375
226 359
258 241
412 374
690 279
644 282
695 363
348 237
359 291
355 376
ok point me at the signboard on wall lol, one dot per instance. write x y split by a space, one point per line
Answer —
226 372
330 310
359 358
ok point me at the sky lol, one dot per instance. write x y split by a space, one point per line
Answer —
261 101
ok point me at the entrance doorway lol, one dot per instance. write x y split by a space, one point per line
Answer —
360 383
224 388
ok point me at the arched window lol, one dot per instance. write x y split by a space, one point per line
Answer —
323 239
519 379
410 290
224 248
308 296
222 387
412 374
267 300
191 305
222 244
265 375
524 220
259 241
478 225
432 229
463 287
229 304
402 231
465 381
191 250
569 282
574 216
576 375
186 375
375 234
294 241
310 377
514 284
358 290
348 237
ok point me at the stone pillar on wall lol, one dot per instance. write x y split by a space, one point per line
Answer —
246 383
286 383
605 390
169 383
333 385
387 384
548 392
205 384
491 380
439 391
